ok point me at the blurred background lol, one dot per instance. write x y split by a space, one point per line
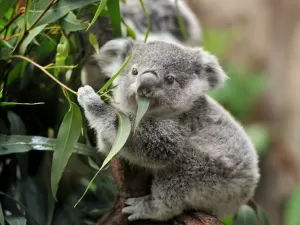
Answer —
262 38
257 43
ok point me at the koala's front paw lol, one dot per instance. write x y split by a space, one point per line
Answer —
137 208
87 96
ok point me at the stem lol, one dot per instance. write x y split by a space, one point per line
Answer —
42 14
45 71
11 21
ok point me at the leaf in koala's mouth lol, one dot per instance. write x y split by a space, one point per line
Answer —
143 105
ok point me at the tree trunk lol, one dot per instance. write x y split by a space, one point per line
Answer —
134 182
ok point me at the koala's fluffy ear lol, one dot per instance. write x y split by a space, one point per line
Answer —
113 54
99 67
211 70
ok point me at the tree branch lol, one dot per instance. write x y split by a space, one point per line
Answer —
134 182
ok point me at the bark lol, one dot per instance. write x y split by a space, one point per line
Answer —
134 182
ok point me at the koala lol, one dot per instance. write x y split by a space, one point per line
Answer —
164 25
199 156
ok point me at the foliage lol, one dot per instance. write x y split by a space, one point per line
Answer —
48 39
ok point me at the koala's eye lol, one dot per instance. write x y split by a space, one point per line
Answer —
170 79
208 69
134 71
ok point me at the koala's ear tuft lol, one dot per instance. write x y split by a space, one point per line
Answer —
113 54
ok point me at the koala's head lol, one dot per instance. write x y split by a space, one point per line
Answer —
173 77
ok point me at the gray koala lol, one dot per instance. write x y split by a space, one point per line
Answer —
200 157
164 26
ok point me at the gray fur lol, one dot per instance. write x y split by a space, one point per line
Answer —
200 157
164 27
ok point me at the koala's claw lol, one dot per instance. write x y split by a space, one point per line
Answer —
87 96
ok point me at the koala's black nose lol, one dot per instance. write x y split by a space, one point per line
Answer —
146 84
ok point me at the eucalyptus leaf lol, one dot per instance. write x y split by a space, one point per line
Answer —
148 20
57 11
10 144
109 82
67 138
245 216
227 221
291 215
5 5
93 41
31 35
129 31
1 216
143 105
63 49
263 218
16 220
98 12
123 132
71 23
113 9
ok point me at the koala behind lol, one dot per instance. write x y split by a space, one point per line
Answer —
200 157
164 26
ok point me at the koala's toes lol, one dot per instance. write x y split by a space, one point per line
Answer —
85 90
133 212
133 201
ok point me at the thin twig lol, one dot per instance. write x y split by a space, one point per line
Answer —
42 14
45 71
11 21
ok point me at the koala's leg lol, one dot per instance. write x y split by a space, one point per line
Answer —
166 200
100 117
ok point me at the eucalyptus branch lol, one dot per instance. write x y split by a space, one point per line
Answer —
42 14
45 71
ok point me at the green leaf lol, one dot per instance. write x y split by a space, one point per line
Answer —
5 49
245 216
5 44
113 9
93 41
31 35
16 220
63 49
292 216
1 216
10 144
98 12
5 5
129 31
143 105
148 20
227 221
57 11
262 216
109 82
1 95
124 129
67 138
71 23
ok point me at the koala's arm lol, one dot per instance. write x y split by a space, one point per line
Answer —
100 116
